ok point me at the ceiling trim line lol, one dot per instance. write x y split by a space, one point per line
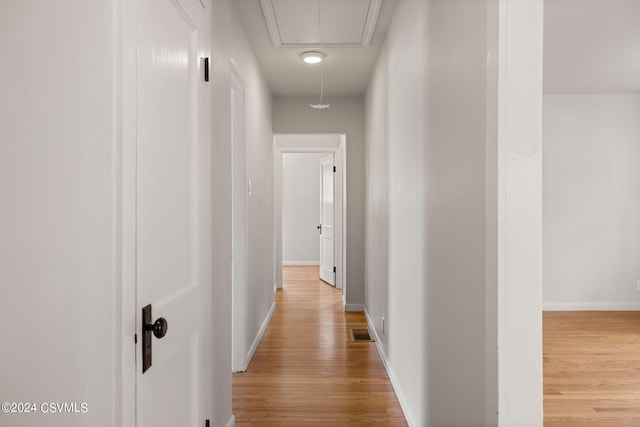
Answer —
372 19
272 23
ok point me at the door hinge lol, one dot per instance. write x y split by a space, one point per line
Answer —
135 338
334 169
334 269
206 423
206 69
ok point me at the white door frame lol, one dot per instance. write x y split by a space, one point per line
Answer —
240 223
126 228
514 211
314 143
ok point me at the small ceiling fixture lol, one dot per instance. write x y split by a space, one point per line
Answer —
312 56
320 105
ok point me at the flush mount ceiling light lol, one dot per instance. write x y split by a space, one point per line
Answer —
312 56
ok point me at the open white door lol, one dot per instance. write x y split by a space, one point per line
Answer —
326 226
172 209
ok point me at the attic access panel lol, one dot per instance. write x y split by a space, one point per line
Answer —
343 23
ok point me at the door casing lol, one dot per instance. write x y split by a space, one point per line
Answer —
240 223
314 143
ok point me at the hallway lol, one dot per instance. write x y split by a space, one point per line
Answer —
307 371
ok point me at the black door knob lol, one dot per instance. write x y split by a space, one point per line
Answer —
159 327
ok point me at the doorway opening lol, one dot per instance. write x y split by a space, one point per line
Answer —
311 205
591 212
308 227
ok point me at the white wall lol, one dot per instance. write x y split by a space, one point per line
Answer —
300 208
346 115
222 16
400 300
259 140
230 43
59 275
439 265
426 209
591 188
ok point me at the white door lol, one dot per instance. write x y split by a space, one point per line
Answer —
171 230
326 226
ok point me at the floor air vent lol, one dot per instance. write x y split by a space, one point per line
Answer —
360 335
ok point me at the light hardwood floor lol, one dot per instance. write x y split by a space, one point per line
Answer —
307 371
591 368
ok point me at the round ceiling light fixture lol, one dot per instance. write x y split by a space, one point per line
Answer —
312 56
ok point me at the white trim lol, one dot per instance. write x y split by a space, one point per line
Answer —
300 262
340 255
392 376
125 398
370 25
258 338
240 218
590 306
354 307
231 422
270 19
519 50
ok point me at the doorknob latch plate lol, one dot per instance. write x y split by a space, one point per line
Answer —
146 338
149 328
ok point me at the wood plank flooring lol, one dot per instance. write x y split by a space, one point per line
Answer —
307 371
591 368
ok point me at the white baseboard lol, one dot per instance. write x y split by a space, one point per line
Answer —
354 307
258 338
579 306
231 422
390 373
300 262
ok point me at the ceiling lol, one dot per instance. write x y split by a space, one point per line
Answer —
590 46
350 56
